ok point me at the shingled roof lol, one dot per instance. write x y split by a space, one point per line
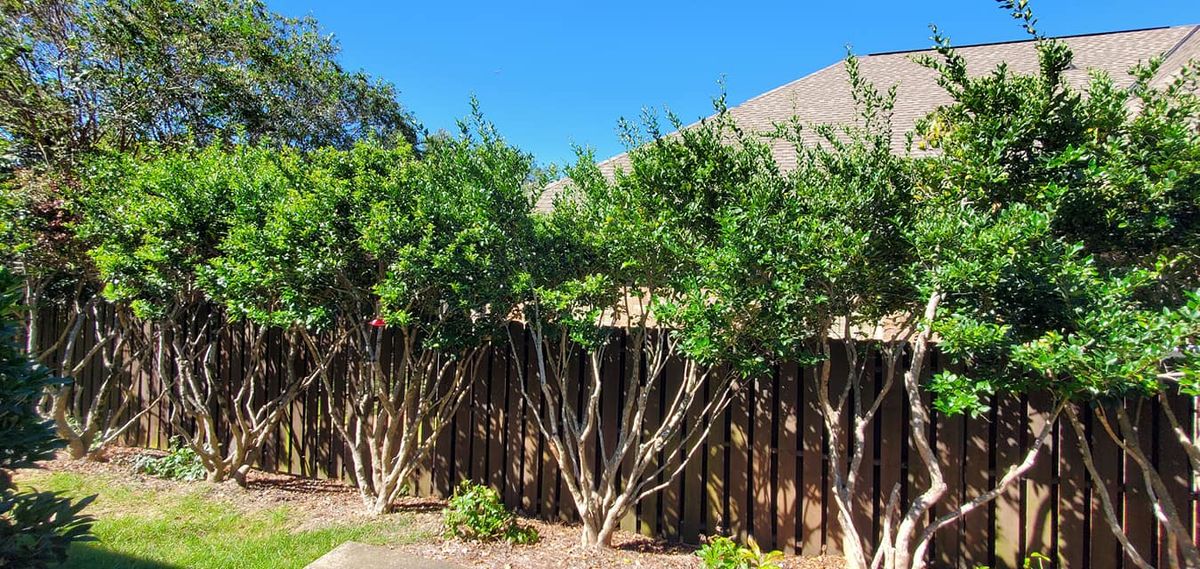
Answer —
824 97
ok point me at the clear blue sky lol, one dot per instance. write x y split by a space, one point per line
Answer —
559 73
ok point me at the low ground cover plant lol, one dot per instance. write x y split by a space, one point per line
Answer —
724 553
180 463
476 513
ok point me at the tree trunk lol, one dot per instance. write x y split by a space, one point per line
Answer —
77 448
598 534
381 504
567 411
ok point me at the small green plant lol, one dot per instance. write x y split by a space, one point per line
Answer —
1035 560
476 513
180 463
725 553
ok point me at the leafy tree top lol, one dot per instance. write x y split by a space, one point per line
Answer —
81 73
1061 226
321 238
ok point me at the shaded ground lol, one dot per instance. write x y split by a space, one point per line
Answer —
285 521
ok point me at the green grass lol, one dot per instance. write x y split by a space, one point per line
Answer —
139 527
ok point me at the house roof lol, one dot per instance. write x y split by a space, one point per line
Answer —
824 97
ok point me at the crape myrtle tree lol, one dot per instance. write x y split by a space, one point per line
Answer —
632 263
978 250
78 75
1112 178
1055 245
400 270
161 228
66 312
822 256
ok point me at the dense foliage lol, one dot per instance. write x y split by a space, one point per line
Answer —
633 263
80 73
341 252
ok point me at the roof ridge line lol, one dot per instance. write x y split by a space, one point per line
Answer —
1063 37
1167 54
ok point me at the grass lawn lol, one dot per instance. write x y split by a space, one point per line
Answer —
194 525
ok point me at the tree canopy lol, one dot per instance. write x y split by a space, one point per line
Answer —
76 74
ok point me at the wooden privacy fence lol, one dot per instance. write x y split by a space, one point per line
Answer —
764 470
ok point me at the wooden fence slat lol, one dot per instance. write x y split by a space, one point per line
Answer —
1140 524
514 437
762 485
812 469
625 379
976 527
479 422
459 442
496 413
1073 497
531 435
787 492
669 513
649 512
547 474
691 482
610 404
946 544
1008 530
1039 505
1171 460
1105 551
739 468
716 469
838 379
864 496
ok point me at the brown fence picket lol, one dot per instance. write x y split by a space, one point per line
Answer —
788 488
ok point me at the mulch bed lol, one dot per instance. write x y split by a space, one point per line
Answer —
326 502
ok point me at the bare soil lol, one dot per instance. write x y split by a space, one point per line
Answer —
327 502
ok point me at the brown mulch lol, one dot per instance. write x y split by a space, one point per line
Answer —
326 502
559 549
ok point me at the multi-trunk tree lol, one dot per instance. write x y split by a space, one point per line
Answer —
1056 243
825 254
77 76
68 326
393 273
626 272
162 228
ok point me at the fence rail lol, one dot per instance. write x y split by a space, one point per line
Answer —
764 470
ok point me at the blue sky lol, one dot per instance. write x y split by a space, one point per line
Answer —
555 74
